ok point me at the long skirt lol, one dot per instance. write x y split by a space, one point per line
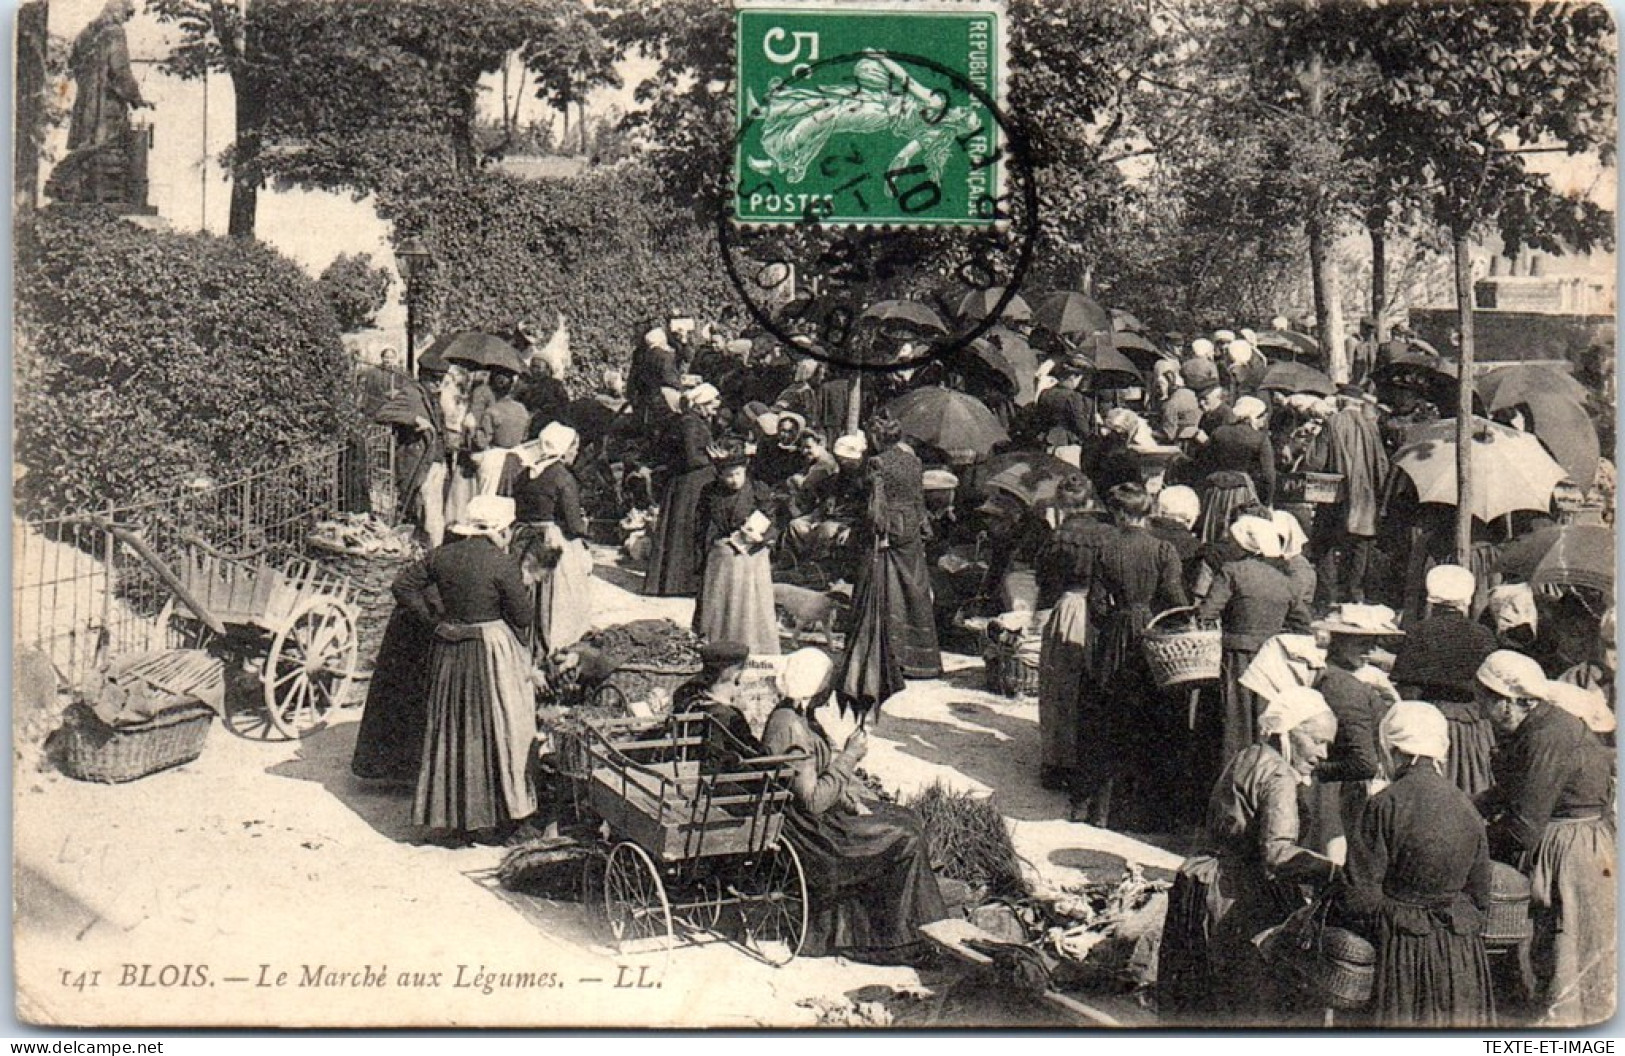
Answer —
911 619
1131 733
461 486
1427 975
1574 902
1207 965
389 742
674 557
1063 667
1218 503
476 770
1472 740
1240 704
869 878
736 602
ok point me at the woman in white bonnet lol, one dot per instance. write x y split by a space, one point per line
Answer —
1418 883
867 864
1245 880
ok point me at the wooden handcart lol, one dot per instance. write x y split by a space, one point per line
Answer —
691 847
295 622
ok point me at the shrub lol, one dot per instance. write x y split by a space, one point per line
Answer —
603 248
144 357
355 290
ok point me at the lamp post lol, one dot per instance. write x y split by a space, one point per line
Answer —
412 256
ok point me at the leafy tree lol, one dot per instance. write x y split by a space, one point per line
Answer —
355 289
570 61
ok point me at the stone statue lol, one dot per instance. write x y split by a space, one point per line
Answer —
98 166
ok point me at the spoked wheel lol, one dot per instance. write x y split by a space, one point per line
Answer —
701 908
310 666
635 902
774 904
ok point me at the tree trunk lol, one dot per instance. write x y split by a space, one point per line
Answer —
1377 225
246 172
564 136
1323 277
854 404
1464 399
463 154
33 44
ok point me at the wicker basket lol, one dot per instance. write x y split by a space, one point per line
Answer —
1320 489
1336 965
1011 670
1509 920
89 749
1177 657
638 681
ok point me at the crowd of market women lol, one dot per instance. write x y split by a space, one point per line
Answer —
1371 762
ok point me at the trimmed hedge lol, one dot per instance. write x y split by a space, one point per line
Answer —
147 356
604 248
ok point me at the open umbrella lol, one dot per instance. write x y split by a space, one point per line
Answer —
1568 433
911 312
1510 386
1294 344
1021 356
1511 470
473 349
1137 348
1031 476
960 425
986 353
1113 370
1576 555
1123 320
1297 377
979 304
1071 313
1431 376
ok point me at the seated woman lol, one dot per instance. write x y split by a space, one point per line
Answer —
869 876
1418 883
1247 879
712 693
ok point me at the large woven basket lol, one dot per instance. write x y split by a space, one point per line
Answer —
1340 967
1011 670
1191 654
1321 489
1509 920
89 749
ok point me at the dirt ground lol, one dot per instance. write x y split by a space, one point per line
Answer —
262 885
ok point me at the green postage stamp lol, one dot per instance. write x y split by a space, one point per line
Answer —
869 113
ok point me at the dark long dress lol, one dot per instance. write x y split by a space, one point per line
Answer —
480 740
892 631
1339 792
1418 886
389 742
1062 567
1438 661
869 878
1128 729
1244 882
674 561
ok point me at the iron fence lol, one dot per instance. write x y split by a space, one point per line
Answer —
80 596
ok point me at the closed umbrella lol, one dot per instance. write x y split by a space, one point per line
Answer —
1297 377
958 424
911 312
979 304
1510 386
1568 433
1511 470
1071 313
1577 555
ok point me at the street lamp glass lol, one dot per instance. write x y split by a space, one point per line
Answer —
411 255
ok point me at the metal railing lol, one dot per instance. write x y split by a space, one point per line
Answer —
79 596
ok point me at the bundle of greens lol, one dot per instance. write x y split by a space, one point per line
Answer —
968 841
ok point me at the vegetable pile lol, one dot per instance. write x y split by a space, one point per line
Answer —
647 643
968 840
362 534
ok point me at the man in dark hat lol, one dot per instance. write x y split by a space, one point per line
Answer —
1063 415
1351 446
1363 354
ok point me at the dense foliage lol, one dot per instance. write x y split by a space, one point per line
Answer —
603 249
355 289
144 356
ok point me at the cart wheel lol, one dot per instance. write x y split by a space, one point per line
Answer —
635 901
310 666
608 696
774 906
704 912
